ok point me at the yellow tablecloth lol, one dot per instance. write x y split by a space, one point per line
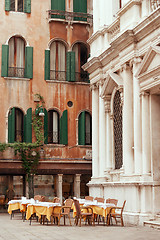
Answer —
96 210
13 206
41 210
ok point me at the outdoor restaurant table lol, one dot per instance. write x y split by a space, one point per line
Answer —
42 208
18 204
98 207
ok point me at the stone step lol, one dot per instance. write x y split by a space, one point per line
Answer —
153 223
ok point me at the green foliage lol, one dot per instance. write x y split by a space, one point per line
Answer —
29 152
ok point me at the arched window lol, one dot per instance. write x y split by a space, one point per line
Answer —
57 61
19 125
117 113
53 126
15 125
81 55
16 57
85 129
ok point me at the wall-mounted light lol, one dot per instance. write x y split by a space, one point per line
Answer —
39 111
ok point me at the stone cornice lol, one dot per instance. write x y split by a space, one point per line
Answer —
92 65
127 6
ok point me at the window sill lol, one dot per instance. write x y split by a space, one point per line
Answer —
69 21
51 145
17 79
66 82
84 146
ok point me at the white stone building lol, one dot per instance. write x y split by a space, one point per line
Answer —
124 72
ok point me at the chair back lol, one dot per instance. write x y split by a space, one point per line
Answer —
100 199
39 198
123 206
77 206
112 200
68 204
56 200
89 198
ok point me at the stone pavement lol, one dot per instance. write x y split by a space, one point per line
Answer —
16 229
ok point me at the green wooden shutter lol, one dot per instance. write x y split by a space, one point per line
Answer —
7 5
27 6
11 126
72 66
64 128
47 65
29 62
24 128
29 126
81 7
81 129
58 5
4 64
45 126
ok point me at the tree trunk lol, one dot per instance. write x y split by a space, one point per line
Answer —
31 186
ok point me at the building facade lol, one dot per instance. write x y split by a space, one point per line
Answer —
43 46
124 69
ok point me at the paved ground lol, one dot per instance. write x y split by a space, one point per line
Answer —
16 229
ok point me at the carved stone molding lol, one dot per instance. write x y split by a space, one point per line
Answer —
107 103
121 95
93 87
143 93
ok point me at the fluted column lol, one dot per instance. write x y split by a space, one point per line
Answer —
102 133
77 183
95 131
127 119
146 154
137 119
59 186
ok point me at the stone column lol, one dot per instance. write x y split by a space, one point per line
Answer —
137 119
102 133
127 119
108 162
95 131
59 186
146 154
77 185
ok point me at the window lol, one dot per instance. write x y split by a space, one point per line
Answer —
80 7
58 61
117 113
19 125
17 59
18 5
85 129
53 127
81 55
59 6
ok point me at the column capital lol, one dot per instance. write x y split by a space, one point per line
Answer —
135 60
94 86
143 93
125 66
101 82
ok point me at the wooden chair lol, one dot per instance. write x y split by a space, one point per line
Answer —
56 200
112 200
40 198
89 198
115 214
102 200
65 211
79 214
